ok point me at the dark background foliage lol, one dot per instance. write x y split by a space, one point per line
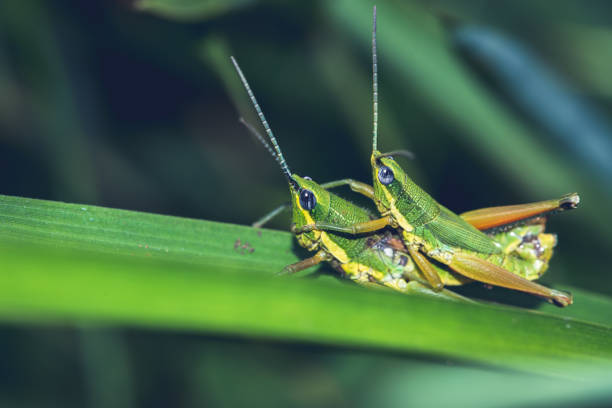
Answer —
135 106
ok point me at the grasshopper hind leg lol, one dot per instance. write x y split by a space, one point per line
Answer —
495 217
481 270
427 269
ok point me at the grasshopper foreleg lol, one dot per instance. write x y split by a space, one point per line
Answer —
355 229
316 259
356 186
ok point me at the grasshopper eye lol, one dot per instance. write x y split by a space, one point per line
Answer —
385 175
307 200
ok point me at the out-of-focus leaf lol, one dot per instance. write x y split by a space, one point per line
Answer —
415 44
216 52
585 51
543 97
190 10
418 385
51 98
348 83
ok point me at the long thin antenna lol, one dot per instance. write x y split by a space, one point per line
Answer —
374 85
259 137
279 154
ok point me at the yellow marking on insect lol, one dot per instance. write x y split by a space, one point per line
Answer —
397 215
331 247
334 248
412 239
307 215
361 271
397 284
316 233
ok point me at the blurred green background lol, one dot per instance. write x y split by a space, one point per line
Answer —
135 105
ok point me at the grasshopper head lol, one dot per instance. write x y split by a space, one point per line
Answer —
388 180
395 193
309 202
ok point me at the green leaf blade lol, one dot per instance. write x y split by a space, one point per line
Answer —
216 288
141 234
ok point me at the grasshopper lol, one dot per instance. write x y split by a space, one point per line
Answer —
368 260
434 236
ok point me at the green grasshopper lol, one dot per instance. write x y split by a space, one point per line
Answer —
371 259
434 236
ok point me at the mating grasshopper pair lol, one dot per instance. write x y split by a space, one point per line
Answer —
415 244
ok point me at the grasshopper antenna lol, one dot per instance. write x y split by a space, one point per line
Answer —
374 85
405 153
259 136
279 154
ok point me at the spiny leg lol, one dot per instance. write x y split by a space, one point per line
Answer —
427 269
316 259
483 271
355 229
263 220
356 186
486 218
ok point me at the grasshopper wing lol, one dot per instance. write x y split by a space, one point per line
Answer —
455 232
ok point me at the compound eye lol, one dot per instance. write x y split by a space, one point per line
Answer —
307 200
385 175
